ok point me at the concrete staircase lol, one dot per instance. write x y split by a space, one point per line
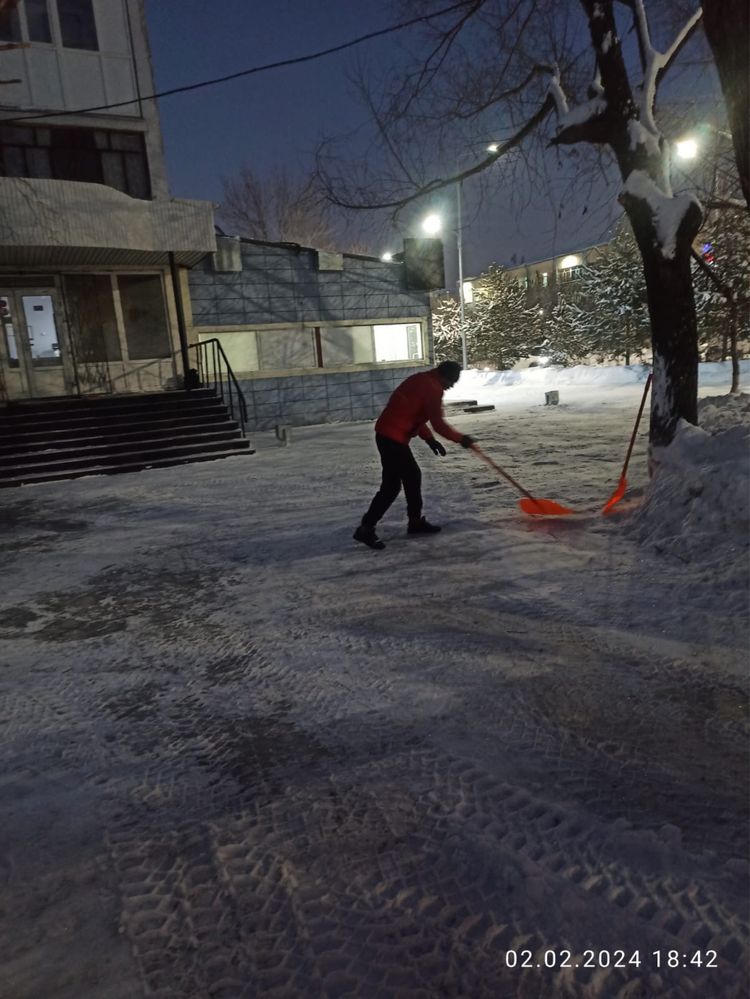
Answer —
48 439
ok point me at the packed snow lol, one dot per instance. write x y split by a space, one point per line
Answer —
246 757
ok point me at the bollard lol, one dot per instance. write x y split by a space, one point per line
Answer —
551 398
283 434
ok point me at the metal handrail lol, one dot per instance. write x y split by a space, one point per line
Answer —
209 355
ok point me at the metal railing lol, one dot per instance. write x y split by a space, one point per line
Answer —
213 370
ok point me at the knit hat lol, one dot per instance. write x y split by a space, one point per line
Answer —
449 369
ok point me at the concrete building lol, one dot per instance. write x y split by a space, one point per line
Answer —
545 279
93 252
312 336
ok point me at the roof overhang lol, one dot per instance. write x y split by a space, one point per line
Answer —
59 223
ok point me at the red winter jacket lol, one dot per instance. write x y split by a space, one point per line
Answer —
417 401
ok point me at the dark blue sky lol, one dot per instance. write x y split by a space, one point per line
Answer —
278 116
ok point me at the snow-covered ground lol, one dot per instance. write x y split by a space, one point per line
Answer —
245 757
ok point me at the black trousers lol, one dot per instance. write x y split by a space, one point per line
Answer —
400 468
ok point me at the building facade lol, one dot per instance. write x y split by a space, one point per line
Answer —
312 336
93 252
544 280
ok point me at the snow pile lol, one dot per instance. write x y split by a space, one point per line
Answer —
697 506
582 385
717 413
550 375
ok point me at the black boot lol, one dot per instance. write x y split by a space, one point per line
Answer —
368 537
422 526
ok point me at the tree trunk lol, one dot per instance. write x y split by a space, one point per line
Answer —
733 347
627 340
727 27
674 326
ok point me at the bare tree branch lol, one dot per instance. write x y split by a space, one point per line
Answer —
440 183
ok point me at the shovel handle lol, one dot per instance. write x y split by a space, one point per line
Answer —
500 471
637 424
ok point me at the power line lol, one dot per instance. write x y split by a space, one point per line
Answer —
247 72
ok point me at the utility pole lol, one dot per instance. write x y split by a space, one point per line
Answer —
462 304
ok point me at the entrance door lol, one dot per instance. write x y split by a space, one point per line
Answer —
34 351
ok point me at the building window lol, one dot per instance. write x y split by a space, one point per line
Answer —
398 342
92 320
77 24
10 25
37 20
11 344
340 346
286 348
117 159
144 316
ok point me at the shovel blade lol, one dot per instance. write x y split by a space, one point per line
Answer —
616 496
543 508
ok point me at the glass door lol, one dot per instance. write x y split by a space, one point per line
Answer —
35 358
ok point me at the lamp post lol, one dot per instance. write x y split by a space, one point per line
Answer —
432 225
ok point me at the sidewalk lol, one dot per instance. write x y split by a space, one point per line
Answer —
244 757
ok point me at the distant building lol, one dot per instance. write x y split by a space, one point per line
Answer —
92 249
543 280
312 336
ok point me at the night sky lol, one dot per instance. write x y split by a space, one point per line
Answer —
278 116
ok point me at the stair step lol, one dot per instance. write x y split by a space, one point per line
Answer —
91 417
41 440
94 450
51 439
139 399
136 455
28 479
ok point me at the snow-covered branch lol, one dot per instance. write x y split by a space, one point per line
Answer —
669 213
656 63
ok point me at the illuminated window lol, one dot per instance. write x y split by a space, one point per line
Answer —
398 342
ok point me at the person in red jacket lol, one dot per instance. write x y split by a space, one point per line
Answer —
417 401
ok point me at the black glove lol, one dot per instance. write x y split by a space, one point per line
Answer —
436 447
466 441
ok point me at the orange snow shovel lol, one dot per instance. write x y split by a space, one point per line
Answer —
529 504
622 485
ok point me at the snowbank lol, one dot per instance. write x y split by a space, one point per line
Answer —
697 506
579 384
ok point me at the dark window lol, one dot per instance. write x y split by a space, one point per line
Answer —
77 24
144 316
75 156
117 159
37 17
10 26
91 311
137 179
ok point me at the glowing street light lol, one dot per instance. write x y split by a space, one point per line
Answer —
686 149
387 257
432 224
493 147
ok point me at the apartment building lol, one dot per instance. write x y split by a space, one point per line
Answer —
545 279
93 251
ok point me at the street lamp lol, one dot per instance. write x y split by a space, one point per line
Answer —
432 225
686 149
